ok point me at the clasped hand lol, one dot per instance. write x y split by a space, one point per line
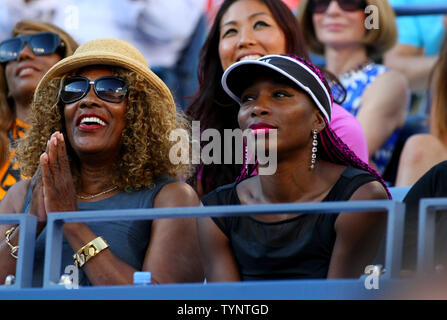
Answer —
52 187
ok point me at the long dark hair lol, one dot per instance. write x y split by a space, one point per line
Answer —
213 107
333 148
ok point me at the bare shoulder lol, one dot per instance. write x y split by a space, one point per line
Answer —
397 78
424 140
176 194
373 190
14 198
389 92
392 80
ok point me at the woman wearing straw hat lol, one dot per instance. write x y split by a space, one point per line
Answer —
33 49
99 140
290 96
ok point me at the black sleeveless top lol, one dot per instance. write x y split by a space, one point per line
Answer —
300 247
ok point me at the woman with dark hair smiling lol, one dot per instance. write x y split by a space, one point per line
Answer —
291 96
24 58
249 29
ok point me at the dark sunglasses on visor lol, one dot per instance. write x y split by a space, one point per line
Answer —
320 6
40 43
111 89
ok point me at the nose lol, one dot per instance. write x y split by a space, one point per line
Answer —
25 53
246 38
259 109
333 7
90 99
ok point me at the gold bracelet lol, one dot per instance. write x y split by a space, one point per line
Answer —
88 251
13 249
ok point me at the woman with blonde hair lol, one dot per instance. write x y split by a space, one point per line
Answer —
99 140
351 34
33 49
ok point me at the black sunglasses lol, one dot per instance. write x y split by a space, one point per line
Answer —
320 6
40 43
111 89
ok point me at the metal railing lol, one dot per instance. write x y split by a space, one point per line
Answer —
420 9
24 266
394 232
426 232
390 282
290 289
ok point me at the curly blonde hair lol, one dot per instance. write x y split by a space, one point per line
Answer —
144 156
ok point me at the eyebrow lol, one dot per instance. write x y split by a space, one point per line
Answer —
232 22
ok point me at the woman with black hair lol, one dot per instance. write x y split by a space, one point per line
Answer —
290 96
249 29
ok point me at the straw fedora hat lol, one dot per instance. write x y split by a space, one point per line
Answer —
111 52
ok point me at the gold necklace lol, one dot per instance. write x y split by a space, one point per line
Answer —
92 196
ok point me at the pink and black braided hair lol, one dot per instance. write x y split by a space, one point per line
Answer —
334 149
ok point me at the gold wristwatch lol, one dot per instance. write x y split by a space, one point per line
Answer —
88 251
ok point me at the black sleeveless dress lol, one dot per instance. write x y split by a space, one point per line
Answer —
296 248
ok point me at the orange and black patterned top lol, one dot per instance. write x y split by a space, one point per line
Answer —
9 171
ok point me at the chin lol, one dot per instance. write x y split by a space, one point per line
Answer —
26 87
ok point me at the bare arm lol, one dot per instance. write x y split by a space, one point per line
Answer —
358 235
106 268
173 254
383 110
217 256
412 62
420 153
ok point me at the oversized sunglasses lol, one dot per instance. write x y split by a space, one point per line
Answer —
111 89
320 6
40 43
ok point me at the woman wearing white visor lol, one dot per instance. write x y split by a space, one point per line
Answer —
290 95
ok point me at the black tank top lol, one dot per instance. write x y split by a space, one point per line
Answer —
300 247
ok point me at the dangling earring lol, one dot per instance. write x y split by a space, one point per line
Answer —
245 162
313 160
245 156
